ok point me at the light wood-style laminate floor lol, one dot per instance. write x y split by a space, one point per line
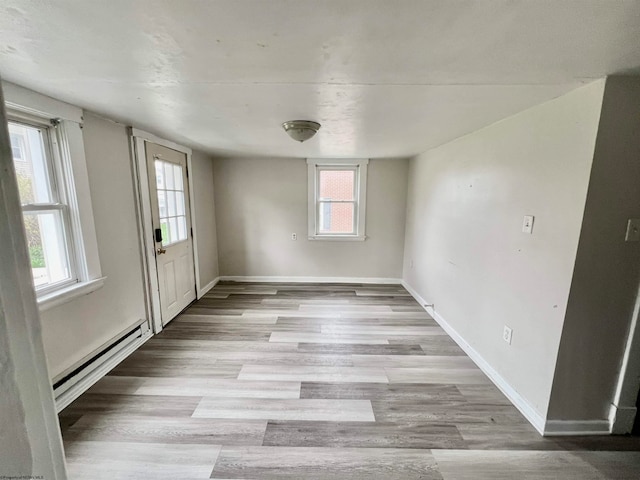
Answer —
308 381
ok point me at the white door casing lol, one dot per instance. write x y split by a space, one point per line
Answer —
171 220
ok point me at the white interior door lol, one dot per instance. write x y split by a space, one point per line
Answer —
171 219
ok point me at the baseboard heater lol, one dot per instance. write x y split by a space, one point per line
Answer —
76 380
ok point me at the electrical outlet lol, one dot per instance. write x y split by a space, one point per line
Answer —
507 333
294 236
527 224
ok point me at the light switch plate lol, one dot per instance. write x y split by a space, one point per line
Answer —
527 224
633 230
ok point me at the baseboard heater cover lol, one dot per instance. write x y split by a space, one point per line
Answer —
80 379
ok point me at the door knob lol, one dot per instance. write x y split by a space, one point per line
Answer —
161 251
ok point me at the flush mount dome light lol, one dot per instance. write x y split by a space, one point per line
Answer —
301 130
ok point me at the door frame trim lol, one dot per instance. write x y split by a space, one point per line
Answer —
623 410
145 226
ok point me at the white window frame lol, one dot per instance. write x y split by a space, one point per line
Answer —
359 166
58 190
69 161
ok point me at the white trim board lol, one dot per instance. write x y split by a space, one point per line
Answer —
204 290
531 414
278 279
621 419
145 226
564 428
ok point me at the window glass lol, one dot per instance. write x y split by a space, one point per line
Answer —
337 184
31 164
44 214
336 201
336 217
170 188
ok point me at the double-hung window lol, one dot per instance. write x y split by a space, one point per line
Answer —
337 197
50 167
44 204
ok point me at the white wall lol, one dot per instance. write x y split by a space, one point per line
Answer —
466 202
607 269
260 202
202 175
75 329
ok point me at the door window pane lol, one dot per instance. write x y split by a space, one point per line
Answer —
177 177
171 202
180 203
162 203
159 175
168 175
182 227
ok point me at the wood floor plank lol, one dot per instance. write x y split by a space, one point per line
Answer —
509 465
436 375
366 435
342 309
300 322
228 319
614 465
134 461
417 361
505 436
411 393
196 387
487 393
156 405
359 349
167 430
275 409
284 358
450 413
315 463
175 368
327 338
219 346
410 331
312 374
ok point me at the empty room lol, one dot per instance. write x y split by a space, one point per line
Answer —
352 239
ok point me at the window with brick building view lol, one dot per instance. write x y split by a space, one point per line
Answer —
336 198
336 201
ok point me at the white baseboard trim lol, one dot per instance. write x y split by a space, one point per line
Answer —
278 279
563 428
87 377
531 414
202 291
621 419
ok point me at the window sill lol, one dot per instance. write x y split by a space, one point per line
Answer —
67 294
339 238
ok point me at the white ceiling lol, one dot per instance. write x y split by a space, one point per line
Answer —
385 78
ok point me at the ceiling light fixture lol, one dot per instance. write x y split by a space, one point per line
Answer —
301 130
